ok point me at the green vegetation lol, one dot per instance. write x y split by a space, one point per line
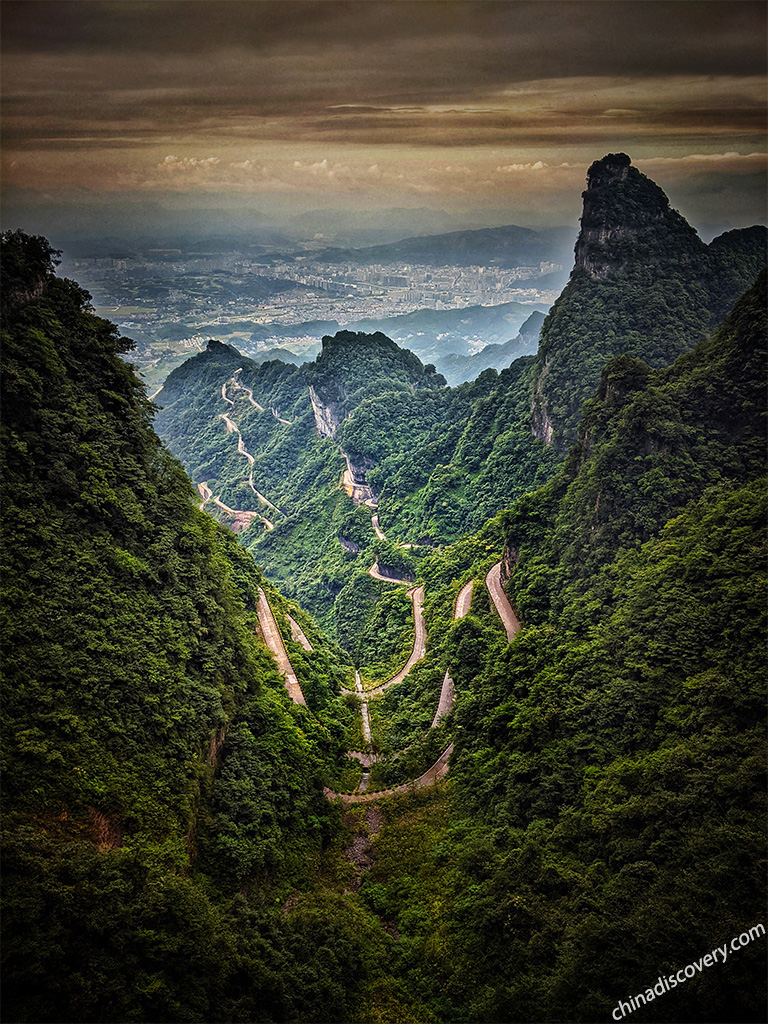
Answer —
644 285
169 854
153 763
442 460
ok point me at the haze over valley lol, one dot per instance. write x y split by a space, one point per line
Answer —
172 300
384 493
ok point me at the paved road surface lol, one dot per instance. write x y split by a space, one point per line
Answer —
361 494
448 691
243 450
241 387
463 600
438 771
419 642
298 634
274 642
376 527
377 575
447 697
364 710
501 601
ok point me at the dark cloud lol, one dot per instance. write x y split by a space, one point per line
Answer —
83 80
519 39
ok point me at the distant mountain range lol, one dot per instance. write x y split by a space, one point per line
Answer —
508 246
170 849
434 335
457 368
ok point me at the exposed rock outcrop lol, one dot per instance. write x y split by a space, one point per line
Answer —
644 284
355 484
328 415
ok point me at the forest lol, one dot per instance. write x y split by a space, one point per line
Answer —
185 842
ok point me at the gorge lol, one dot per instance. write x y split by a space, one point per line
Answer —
507 639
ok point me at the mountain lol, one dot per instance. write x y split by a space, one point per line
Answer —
435 333
430 333
605 821
275 441
439 462
457 368
169 853
508 246
154 764
643 284
616 748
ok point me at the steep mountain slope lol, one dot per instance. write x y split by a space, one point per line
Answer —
364 425
643 284
607 822
147 732
168 854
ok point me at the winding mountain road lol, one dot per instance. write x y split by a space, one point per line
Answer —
501 602
437 771
298 633
243 450
364 713
448 691
274 642
241 387
378 575
360 493
416 595
242 517
376 527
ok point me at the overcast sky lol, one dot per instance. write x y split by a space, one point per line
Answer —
464 107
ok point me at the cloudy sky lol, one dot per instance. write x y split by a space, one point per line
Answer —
483 109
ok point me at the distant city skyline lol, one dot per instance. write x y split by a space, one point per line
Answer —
209 116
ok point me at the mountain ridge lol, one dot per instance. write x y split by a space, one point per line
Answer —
643 284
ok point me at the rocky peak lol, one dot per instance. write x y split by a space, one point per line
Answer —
624 215
613 167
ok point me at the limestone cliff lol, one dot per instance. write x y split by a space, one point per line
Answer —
643 284
621 208
328 413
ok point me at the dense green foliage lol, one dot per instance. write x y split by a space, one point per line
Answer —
441 460
644 285
606 824
168 852
152 760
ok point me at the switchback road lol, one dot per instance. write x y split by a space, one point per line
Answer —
241 387
448 691
501 601
437 771
298 633
416 595
274 642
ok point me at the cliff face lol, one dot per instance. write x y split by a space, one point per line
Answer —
622 210
328 414
643 284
